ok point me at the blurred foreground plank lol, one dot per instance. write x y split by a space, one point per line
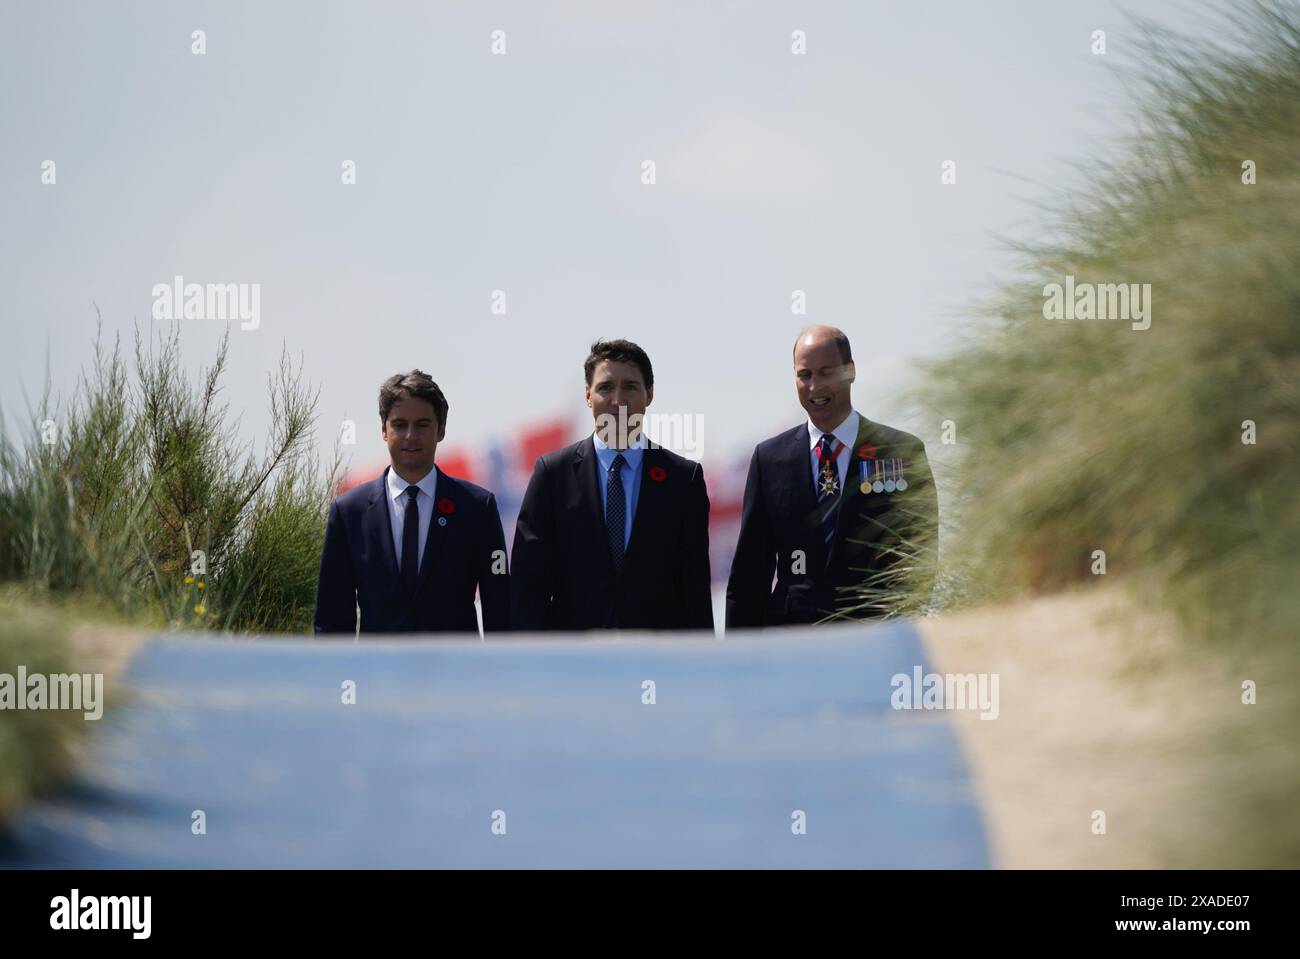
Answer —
553 733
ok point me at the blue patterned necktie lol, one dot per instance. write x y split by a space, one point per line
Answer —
828 487
411 537
616 510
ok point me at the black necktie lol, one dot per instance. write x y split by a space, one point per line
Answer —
615 511
411 538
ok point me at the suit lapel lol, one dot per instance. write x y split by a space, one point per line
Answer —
587 474
797 468
649 499
852 492
449 493
379 525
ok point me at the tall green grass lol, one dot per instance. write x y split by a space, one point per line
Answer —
36 746
138 494
1086 435
40 747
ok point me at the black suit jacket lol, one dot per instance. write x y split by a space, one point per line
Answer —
562 573
358 565
780 516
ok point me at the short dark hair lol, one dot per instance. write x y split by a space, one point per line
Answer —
618 351
838 337
413 385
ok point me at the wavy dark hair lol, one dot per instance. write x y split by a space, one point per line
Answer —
618 351
415 384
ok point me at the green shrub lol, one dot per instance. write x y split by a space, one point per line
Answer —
138 476
1082 435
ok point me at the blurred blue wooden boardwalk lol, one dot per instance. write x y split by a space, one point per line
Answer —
552 733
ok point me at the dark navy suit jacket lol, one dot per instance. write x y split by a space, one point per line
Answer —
781 534
358 565
562 574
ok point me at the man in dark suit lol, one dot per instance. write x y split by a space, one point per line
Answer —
613 532
410 547
842 510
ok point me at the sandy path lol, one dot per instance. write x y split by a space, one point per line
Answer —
1099 712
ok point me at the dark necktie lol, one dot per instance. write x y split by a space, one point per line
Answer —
411 538
616 511
828 487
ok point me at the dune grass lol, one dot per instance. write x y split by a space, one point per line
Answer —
1171 454
39 747
1084 435
36 746
133 508
137 494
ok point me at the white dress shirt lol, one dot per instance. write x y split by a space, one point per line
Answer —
846 433
397 500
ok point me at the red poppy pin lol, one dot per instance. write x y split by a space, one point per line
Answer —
446 506
866 451
658 474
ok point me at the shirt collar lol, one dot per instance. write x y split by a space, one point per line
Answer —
606 453
397 485
846 432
